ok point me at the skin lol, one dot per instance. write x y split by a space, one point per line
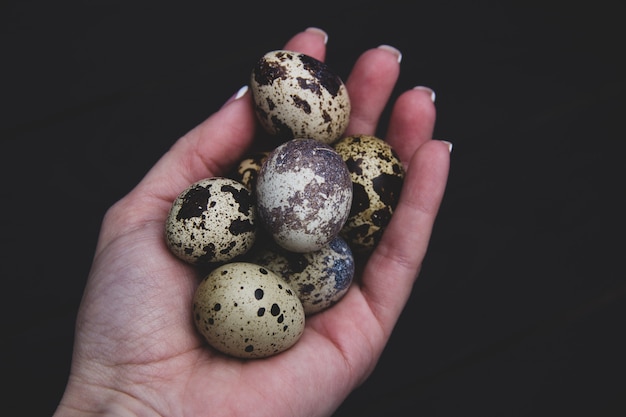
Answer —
137 352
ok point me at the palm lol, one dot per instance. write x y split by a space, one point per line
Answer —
135 325
144 317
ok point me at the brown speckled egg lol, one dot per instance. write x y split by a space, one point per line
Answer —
296 95
320 278
303 194
377 175
213 220
247 311
248 169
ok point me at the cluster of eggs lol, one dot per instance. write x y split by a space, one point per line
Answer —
280 233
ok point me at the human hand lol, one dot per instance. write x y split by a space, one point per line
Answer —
136 349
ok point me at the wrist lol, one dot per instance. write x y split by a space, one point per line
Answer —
81 399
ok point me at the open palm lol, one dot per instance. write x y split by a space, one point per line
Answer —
137 351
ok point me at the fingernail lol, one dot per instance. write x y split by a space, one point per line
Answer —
449 145
393 50
318 31
428 90
240 93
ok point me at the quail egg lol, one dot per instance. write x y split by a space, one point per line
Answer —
296 95
303 194
212 220
246 311
319 278
248 169
377 176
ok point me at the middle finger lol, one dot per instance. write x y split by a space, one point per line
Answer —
370 85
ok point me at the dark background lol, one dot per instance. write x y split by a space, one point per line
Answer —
520 307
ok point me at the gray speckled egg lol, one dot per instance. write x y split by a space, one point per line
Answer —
320 278
303 194
296 95
247 311
213 220
377 175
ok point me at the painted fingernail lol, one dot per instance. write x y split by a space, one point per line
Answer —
449 145
318 31
240 93
393 50
428 90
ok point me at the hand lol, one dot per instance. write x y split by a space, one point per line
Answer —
137 351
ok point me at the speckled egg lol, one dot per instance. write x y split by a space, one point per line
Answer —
303 194
320 278
377 175
296 95
248 169
247 311
213 220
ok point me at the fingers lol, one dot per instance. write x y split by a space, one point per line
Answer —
369 85
393 267
412 122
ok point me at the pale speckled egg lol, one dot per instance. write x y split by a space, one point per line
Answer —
296 95
248 169
303 194
212 220
247 311
377 175
320 278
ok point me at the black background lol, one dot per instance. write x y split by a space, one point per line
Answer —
520 307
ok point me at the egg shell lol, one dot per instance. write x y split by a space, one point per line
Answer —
303 194
247 311
296 95
212 220
377 175
248 169
320 278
